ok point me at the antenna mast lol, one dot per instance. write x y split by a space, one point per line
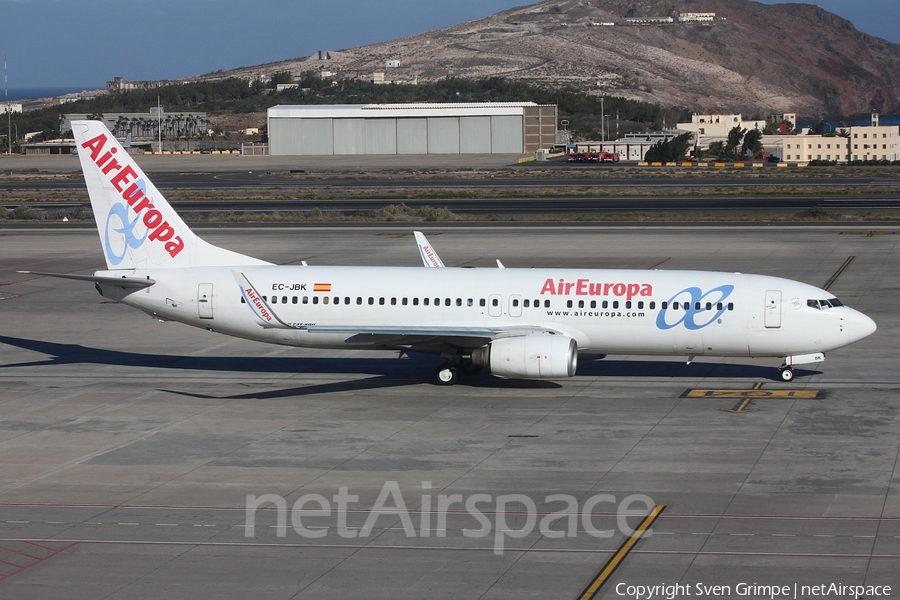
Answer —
7 107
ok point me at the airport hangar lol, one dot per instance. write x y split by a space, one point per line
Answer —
419 128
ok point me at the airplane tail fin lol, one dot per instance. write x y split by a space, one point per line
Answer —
138 228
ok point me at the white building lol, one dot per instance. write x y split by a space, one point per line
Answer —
713 127
10 107
416 128
697 17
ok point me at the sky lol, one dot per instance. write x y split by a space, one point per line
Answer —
84 43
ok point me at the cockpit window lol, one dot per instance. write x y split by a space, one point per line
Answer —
824 304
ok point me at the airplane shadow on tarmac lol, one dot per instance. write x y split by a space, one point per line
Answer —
389 371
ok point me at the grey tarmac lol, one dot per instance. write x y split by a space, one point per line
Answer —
128 447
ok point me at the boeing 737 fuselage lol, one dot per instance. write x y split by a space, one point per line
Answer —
520 323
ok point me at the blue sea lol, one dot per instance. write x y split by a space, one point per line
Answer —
18 94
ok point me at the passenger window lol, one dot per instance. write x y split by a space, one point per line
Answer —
325 300
628 304
696 306
294 300
425 301
546 304
371 300
606 304
515 302
459 301
615 304
495 302
652 305
274 299
470 302
359 299
526 303
481 302
665 305
315 299
393 302
305 299
243 301
337 300
709 306
568 304
381 301
719 306
437 301
581 304
593 304
346 299
405 301
447 302
731 306
415 301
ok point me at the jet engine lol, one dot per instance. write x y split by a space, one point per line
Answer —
534 356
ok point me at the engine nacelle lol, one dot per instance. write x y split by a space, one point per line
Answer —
535 356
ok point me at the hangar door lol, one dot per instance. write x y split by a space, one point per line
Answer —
506 135
412 136
284 136
443 135
316 136
475 135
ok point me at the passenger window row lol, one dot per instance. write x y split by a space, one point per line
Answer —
382 301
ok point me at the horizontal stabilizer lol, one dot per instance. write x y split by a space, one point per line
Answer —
124 282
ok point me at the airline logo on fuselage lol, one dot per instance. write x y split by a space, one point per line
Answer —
586 287
125 180
693 313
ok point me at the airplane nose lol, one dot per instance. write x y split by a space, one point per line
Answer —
861 326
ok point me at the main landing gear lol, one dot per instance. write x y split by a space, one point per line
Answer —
446 374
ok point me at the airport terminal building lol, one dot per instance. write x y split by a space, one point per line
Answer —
419 128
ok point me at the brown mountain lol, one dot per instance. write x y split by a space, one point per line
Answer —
753 58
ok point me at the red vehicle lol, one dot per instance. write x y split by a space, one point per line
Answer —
598 157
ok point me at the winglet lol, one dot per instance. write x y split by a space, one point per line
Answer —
264 314
429 256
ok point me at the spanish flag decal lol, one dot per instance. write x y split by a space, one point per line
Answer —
321 287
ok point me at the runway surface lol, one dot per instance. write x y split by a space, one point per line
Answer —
129 448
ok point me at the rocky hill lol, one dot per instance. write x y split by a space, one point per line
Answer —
752 58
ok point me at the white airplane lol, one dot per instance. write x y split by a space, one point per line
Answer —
429 255
520 323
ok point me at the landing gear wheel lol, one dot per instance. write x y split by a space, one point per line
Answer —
787 374
446 374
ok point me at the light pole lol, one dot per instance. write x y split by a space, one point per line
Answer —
602 116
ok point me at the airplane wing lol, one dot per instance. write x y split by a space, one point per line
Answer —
429 256
406 336
123 282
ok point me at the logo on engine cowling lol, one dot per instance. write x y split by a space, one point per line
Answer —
693 312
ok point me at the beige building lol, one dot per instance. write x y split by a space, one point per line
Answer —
875 142
805 148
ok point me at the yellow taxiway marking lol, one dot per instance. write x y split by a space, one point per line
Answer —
613 563
755 394
838 272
